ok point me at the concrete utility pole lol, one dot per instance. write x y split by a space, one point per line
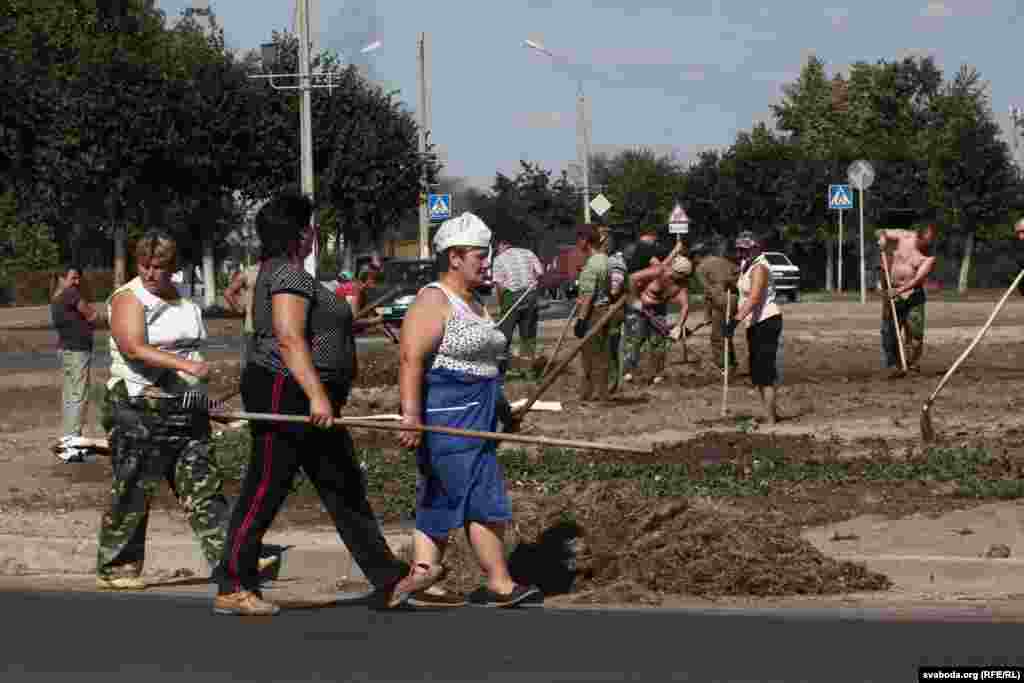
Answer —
306 127
424 116
583 122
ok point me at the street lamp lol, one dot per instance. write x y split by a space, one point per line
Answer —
307 81
582 127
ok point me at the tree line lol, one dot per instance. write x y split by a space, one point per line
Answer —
933 142
114 122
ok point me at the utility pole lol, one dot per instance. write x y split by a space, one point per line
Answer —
424 116
306 128
583 121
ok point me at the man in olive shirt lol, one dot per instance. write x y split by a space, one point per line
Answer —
717 275
595 280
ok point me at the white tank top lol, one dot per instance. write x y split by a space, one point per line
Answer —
767 308
175 327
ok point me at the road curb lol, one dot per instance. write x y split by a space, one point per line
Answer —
324 558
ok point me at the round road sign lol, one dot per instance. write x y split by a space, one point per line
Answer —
860 174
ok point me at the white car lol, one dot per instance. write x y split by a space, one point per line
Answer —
785 273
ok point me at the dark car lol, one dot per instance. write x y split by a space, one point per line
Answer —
408 275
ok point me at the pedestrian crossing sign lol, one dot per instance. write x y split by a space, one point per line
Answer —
440 206
840 197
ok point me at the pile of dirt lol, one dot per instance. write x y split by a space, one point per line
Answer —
604 542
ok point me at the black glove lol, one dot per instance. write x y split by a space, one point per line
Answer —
580 328
729 328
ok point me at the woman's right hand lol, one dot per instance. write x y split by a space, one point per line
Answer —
321 412
410 439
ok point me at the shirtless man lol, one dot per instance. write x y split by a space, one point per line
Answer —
910 264
664 281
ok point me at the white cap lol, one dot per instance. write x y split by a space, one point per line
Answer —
465 231
681 266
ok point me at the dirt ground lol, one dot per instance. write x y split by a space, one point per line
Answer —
836 401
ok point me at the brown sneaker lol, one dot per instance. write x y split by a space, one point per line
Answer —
436 597
120 583
244 604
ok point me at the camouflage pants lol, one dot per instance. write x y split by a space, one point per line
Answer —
149 444
910 313
639 339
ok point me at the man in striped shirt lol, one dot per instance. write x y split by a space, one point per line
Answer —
515 271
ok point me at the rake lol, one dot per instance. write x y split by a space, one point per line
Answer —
927 430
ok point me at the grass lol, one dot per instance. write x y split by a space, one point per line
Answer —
391 475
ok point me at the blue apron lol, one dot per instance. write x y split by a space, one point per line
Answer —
460 478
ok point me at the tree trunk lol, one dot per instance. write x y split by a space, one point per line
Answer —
209 275
965 264
120 264
829 263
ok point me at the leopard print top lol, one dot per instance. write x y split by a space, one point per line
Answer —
470 343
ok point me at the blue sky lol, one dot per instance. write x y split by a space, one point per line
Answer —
678 76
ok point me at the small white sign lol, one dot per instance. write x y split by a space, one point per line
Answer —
600 204
678 221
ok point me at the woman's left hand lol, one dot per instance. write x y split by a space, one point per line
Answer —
410 439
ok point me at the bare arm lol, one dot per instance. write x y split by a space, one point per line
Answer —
88 311
923 271
289 313
421 334
128 327
758 287
233 294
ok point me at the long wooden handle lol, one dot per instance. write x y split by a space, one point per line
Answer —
725 355
561 337
378 301
489 436
895 318
598 326
977 338
515 305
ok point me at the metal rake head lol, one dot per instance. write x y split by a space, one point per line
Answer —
195 400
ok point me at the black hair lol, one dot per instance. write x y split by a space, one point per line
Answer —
281 221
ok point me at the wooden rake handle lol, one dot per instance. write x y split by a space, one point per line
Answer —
368 308
977 338
561 338
469 433
892 306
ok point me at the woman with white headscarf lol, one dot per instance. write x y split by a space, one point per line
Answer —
449 376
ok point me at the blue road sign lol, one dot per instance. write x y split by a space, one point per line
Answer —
440 206
840 197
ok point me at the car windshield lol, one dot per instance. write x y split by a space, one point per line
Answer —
778 260
411 273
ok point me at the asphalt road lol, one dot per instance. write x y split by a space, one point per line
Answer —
217 347
109 638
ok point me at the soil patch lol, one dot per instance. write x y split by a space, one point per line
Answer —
605 542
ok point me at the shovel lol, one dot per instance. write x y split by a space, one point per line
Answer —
564 363
927 430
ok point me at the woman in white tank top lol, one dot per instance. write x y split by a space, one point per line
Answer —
155 337
764 320
449 376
